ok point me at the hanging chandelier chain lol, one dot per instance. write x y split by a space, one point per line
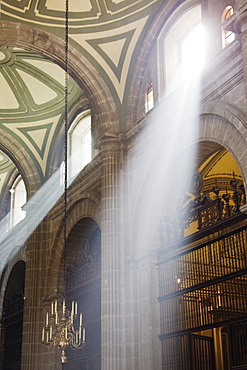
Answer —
64 328
66 131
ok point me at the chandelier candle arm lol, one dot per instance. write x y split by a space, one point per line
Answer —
73 307
77 336
79 333
66 333
56 318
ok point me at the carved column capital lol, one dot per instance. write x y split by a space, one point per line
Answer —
110 141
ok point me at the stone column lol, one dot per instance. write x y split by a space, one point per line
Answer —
34 355
142 307
128 298
238 24
112 264
243 28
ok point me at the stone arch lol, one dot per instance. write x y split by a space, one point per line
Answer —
136 103
220 124
85 207
19 256
82 284
225 124
52 47
12 319
22 161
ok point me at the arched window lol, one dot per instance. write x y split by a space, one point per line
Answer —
12 318
227 35
62 173
80 147
83 285
17 200
181 48
149 97
192 52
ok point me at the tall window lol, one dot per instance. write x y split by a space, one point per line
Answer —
149 97
18 199
80 147
192 52
227 35
182 46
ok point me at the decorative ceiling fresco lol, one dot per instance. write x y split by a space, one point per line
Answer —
107 32
32 105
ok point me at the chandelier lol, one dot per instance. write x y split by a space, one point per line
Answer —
64 328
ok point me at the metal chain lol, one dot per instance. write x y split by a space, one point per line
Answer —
66 89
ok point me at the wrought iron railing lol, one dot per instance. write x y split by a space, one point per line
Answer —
204 285
204 211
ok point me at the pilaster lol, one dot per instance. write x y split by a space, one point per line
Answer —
34 355
238 24
129 326
112 276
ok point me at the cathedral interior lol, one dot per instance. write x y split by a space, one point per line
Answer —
123 174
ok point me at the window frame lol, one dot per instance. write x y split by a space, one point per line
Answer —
13 218
167 84
231 34
82 116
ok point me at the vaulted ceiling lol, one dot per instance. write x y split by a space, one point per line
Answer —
32 103
107 33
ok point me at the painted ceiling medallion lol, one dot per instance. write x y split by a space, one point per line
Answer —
92 25
36 137
58 5
8 100
2 56
5 56
113 53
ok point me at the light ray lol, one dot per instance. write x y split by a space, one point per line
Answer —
36 209
165 166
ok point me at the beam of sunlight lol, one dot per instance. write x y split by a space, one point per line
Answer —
36 209
193 50
163 169
158 168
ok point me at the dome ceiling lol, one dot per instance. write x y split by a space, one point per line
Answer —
32 105
107 33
